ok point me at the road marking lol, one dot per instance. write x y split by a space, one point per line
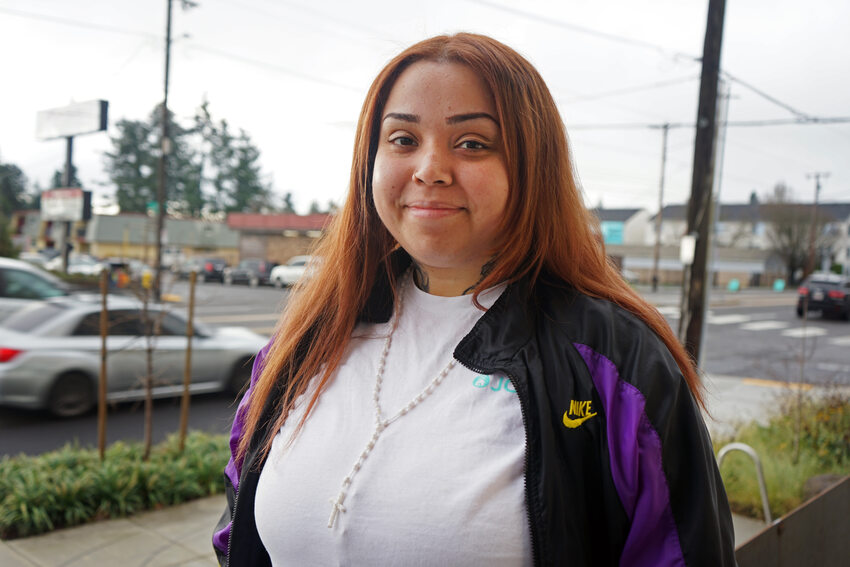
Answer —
800 332
776 384
241 318
669 311
832 367
840 341
263 330
727 319
764 325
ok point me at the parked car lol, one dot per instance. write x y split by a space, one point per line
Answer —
251 271
827 293
35 258
207 268
50 355
22 283
293 270
77 264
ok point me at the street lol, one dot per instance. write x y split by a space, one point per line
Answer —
748 336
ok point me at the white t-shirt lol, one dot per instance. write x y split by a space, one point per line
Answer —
443 484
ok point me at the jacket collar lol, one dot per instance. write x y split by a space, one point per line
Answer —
495 338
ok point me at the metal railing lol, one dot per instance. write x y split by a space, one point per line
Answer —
743 447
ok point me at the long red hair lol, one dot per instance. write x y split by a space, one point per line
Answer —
548 230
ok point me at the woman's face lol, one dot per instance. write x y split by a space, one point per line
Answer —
440 182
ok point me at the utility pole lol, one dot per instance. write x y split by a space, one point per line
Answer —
165 149
699 206
67 179
665 128
810 263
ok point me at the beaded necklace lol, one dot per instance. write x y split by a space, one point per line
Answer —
380 423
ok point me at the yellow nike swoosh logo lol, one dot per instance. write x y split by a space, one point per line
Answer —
572 423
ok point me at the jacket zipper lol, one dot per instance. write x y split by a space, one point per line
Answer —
528 504
232 525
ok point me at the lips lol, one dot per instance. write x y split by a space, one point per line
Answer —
432 209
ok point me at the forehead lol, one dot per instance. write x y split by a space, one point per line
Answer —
440 87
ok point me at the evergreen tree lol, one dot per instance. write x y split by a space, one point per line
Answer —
249 193
132 165
209 168
58 179
288 206
13 189
13 196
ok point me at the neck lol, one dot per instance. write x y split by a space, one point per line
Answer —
446 282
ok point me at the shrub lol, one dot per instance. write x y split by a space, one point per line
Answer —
808 436
72 486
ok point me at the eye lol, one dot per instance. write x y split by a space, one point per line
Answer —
402 140
472 145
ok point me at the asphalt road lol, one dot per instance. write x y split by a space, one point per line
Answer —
747 335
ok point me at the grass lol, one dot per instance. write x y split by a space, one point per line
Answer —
808 436
72 486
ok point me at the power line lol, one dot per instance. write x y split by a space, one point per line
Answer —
198 47
630 90
272 67
587 31
733 123
766 96
77 23
637 43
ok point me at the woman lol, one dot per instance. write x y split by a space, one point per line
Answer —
468 380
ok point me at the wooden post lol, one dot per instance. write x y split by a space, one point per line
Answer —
101 383
187 372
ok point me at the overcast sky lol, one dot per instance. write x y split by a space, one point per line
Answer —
293 74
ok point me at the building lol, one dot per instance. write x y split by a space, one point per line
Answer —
276 237
133 236
625 226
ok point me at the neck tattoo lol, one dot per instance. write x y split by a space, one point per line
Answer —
381 424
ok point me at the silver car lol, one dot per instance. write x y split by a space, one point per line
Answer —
50 355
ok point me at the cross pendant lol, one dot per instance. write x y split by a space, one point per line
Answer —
337 508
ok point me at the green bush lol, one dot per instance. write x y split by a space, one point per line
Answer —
72 486
808 436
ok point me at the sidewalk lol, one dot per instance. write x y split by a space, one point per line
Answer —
181 535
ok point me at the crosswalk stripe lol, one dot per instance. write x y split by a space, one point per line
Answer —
727 319
840 341
832 367
764 325
799 332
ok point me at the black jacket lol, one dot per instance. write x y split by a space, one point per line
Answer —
619 464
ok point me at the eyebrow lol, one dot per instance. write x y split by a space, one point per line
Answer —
456 119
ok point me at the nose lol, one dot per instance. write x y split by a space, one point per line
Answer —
433 168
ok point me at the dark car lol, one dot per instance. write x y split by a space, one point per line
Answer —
208 269
251 271
827 293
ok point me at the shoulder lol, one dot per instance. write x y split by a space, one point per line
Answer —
612 341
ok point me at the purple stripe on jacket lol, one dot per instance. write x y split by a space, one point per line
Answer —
636 465
234 466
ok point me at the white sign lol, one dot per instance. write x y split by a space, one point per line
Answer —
71 120
687 249
72 204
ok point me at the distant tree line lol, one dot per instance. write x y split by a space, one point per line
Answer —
211 168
